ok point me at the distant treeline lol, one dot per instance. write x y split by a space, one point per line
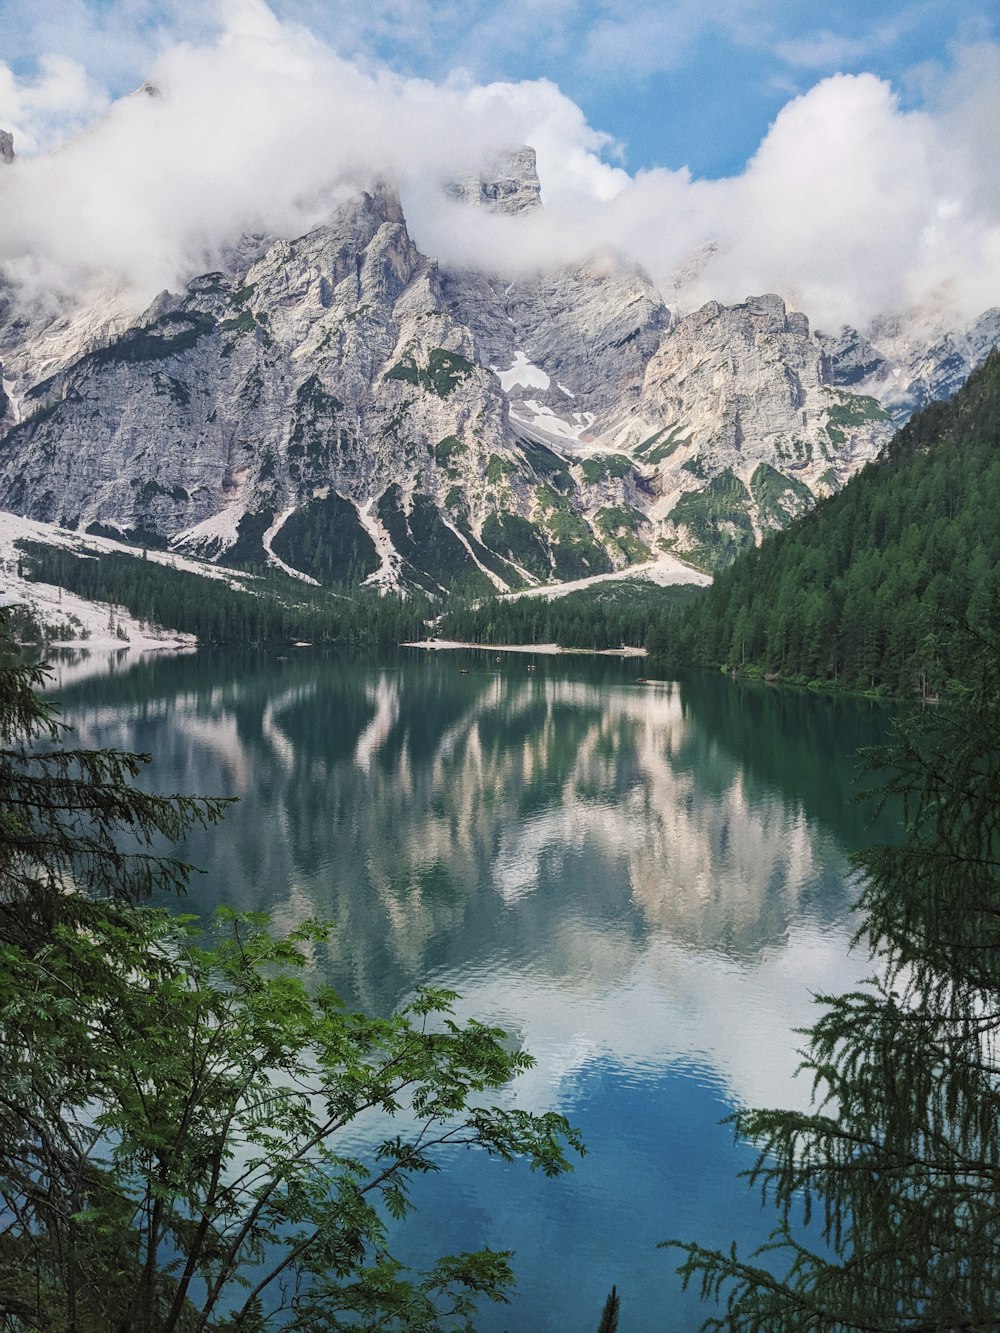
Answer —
609 615
280 612
875 588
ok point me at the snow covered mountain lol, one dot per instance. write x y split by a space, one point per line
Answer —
337 404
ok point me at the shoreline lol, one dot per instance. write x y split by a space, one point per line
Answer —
542 649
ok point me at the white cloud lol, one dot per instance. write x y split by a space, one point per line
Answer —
644 41
115 40
851 205
60 100
823 50
826 49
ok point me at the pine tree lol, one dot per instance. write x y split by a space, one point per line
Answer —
609 1316
899 1164
175 1150
73 827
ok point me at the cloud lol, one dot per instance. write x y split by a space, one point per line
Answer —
58 101
851 205
862 38
644 41
116 41
823 50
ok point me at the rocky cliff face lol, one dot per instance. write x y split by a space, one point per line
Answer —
338 405
509 185
325 384
909 363
743 428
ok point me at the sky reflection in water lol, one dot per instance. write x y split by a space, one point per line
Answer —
644 883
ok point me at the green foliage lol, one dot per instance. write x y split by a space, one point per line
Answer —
248 548
317 430
657 449
179 1145
325 539
619 524
152 488
717 519
575 553
486 557
210 284
70 819
445 370
244 322
435 556
779 498
220 1159
867 591
170 335
273 609
442 374
36 418
448 451
243 294
852 410
829 480
498 468
897 1167
644 446
605 466
695 467
607 615
514 537
313 399
548 466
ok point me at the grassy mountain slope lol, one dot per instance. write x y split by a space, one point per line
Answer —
872 589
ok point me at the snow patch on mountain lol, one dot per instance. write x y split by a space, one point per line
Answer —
214 535
522 374
98 624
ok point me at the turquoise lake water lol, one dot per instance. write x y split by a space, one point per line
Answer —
644 883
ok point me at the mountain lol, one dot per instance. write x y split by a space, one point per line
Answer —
878 587
339 405
916 361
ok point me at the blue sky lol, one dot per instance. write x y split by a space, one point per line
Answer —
844 155
673 82
678 82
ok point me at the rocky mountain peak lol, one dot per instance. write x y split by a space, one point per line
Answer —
742 427
337 404
508 185
6 146
908 361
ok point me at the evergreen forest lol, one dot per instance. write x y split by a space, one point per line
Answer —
273 608
608 615
895 1164
870 590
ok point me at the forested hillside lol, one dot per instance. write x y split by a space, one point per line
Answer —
282 610
607 615
872 589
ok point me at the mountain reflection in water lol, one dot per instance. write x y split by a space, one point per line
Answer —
643 882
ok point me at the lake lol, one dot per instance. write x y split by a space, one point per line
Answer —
643 883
